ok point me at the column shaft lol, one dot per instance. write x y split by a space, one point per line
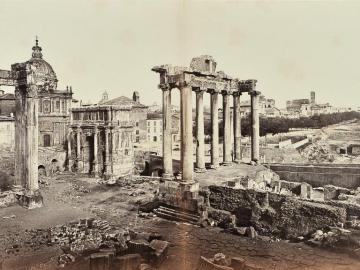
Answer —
106 161
69 156
227 129
78 151
167 141
95 161
237 127
200 147
186 134
255 127
214 130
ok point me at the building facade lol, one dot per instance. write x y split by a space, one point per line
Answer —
100 141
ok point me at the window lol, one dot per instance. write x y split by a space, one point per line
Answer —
155 129
154 138
47 140
137 132
148 130
154 123
58 105
137 124
137 139
126 152
148 123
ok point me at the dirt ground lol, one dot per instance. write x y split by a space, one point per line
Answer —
69 197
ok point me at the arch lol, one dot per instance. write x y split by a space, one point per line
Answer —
41 170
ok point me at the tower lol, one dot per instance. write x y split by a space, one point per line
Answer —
312 97
136 96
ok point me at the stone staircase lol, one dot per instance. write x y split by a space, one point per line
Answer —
173 214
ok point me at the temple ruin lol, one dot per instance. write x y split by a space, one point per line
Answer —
201 77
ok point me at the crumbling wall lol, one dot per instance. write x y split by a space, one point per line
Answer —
275 214
320 175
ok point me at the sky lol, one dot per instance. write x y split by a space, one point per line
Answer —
290 47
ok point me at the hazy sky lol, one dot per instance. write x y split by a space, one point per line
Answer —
290 47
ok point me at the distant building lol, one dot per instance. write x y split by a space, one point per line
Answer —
154 127
307 107
138 113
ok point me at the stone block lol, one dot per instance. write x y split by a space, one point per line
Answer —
305 191
139 246
128 262
238 263
206 264
251 266
160 250
100 261
332 192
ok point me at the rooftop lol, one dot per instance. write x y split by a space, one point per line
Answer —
123 101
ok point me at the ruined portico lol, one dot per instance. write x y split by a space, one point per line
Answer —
201 78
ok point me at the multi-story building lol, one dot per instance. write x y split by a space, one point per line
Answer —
154 127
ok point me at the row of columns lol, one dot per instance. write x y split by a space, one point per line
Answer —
79 160
186 129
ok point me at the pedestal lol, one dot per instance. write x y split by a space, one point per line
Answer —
30 199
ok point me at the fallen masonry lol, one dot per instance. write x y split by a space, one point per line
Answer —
221 262
96 243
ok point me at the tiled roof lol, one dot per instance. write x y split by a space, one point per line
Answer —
123 101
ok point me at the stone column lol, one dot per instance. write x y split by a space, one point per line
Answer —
167 125
237 127
214 129
107 156
80 163
255 127
227 128
186 133
70 160
200 143
95 161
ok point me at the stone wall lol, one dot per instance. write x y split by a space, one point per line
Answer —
275 214
347 176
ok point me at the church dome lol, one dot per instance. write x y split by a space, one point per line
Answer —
43 70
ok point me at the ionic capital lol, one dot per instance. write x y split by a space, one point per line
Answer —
164 86
254 93
236 93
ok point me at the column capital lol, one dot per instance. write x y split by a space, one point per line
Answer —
212 91
199 90
164 86
236 93
254 93
226 92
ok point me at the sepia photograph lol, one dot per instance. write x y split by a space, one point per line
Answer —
179 135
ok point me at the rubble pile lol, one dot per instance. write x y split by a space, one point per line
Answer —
101 241
318 152
338 239
221 262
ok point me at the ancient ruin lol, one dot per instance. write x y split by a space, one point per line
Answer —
202 77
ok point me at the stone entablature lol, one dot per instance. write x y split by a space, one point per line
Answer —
202 77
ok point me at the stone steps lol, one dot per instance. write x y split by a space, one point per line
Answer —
176 215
